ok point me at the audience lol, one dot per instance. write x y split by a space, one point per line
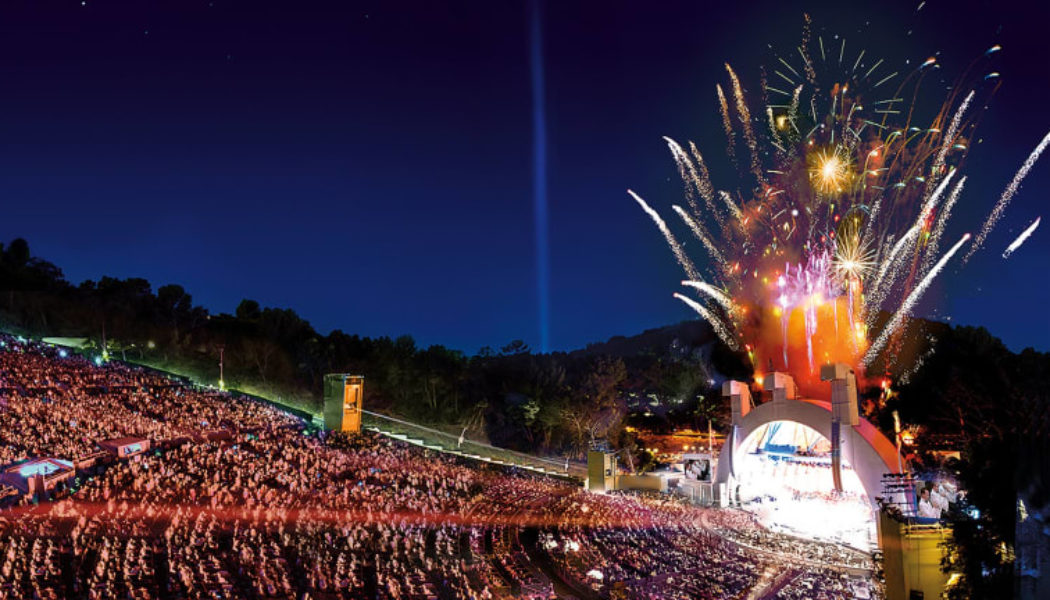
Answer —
271 510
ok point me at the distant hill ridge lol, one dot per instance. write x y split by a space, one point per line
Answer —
692 333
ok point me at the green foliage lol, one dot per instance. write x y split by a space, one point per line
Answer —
553 403
997 405
248 310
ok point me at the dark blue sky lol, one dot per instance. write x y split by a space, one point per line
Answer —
369 164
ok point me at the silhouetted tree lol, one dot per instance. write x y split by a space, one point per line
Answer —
248 310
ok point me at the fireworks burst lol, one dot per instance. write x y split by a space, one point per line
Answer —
854 259
838 213
830 171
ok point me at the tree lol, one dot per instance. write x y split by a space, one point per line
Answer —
175 305
514 348
262 354
124 303
17 253
601 384
441 375
248 310
996 403
599 408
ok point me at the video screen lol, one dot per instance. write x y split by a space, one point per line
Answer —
698 469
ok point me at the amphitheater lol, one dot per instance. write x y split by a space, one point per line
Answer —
217 495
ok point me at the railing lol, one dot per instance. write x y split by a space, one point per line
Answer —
446 442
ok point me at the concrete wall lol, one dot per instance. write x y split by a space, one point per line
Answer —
912 558
641 482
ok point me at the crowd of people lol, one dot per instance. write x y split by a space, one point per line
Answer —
820 584
60 404
275 509
744 528
935 499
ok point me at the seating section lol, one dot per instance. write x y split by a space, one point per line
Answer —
270 509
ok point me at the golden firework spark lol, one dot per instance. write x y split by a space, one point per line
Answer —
829 170
854 257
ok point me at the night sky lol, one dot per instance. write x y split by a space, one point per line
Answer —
370 164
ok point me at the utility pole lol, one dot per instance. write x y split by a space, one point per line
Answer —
710 441
222 380
897 431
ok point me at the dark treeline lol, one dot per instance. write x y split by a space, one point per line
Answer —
994 405
555 403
